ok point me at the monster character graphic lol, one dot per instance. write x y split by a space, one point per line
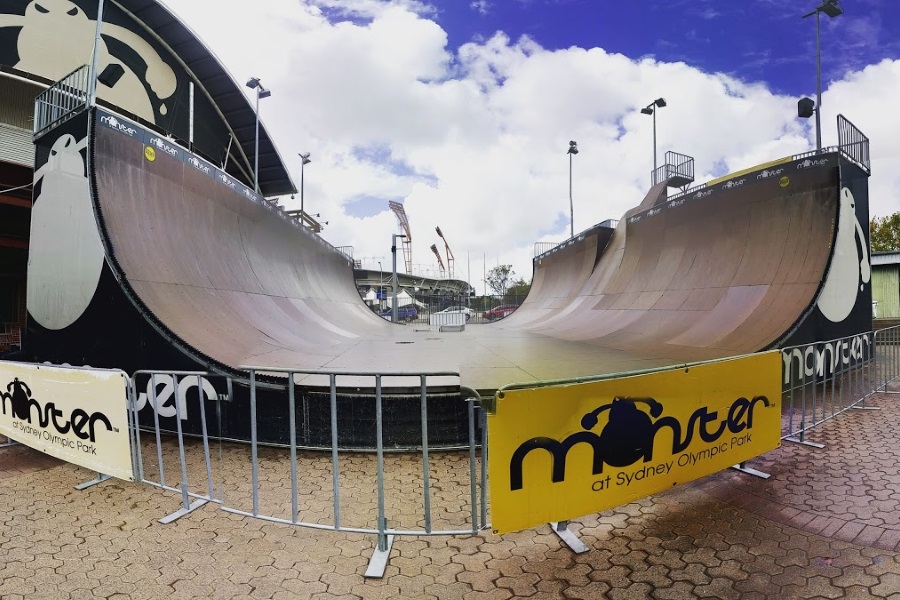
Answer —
65 252
57 37
850 267
629 434
18 394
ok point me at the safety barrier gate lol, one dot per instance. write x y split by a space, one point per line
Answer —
287 483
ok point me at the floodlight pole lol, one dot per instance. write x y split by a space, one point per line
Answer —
818 84
95 57
394 282
304 160
380 283
573 150
256 148
254 84
833 9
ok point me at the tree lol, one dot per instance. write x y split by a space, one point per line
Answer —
498 278
884 233
516 292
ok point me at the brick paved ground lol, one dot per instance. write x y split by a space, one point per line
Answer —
826 525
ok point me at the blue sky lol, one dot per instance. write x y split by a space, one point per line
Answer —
759 40
462 109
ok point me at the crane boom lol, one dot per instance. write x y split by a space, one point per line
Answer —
438 255
450 258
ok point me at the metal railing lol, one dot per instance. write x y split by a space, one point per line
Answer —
65 98
853 144
887 356
676 168
824 379
542 247
179 380
330 490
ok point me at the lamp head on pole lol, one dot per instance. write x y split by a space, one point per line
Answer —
649 109
832 8
304 158
254 84
573 148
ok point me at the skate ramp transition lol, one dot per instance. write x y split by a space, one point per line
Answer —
231 280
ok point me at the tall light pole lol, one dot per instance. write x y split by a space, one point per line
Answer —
380 283
304 160
261 92
573 150
832 8
394 282
95 57
651 110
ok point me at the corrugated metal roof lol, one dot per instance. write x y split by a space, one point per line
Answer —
886 258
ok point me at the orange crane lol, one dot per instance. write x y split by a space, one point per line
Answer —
438 254
450 259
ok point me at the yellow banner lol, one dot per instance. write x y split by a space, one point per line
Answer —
77 415
564 451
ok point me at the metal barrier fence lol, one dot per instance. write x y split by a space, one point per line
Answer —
67 97
288 485
359 491
190 500
824 379
887 356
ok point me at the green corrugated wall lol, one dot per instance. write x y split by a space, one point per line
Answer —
886 290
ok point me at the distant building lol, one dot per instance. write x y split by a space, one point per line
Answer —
886 285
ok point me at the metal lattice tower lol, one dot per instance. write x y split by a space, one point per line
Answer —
404 226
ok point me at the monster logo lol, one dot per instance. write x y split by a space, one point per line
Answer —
79 422
56 37
630 433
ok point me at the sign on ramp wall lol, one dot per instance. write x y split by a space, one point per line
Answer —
564 451
77 415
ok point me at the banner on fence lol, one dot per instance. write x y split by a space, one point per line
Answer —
77 415
563 451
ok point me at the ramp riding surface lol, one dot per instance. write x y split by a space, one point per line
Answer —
231 280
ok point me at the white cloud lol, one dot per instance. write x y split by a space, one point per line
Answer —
477 137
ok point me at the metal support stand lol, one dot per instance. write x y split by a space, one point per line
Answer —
184 510
381 555
99 479
866 407
571 540
804 442
9 442
743 468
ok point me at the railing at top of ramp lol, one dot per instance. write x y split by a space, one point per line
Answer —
65 98
854 144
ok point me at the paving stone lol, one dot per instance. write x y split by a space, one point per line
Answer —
826 525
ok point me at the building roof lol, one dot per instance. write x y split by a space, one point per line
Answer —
227 94
886 258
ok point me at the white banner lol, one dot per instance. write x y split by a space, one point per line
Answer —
77 415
